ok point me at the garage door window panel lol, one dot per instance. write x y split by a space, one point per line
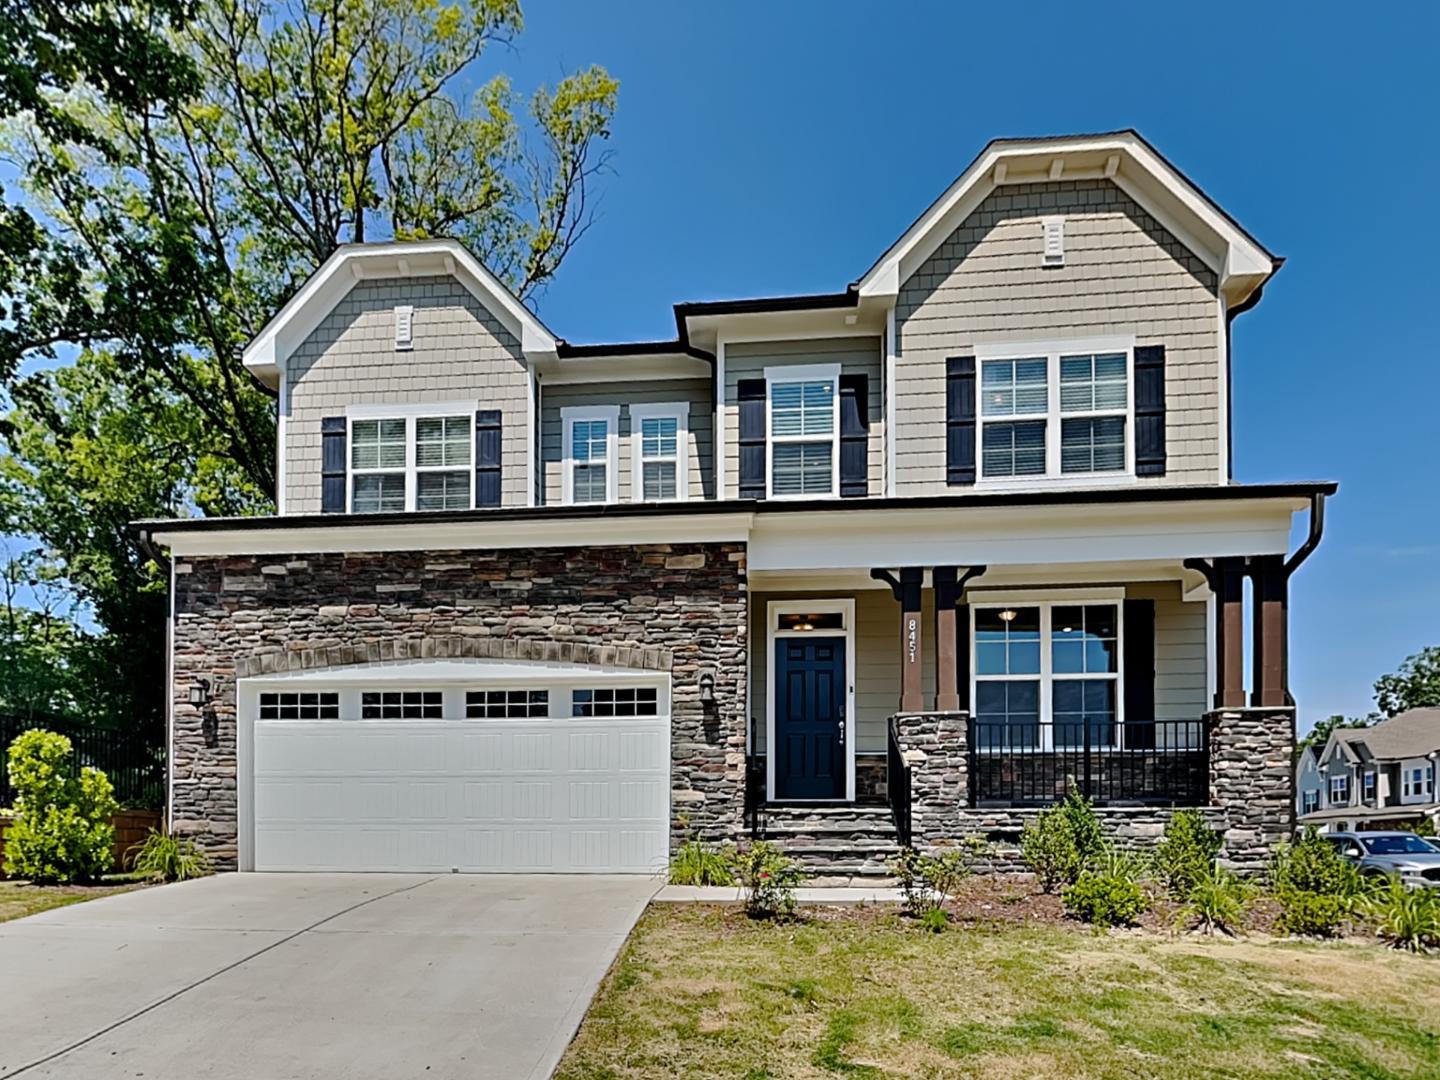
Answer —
507 704
402 705
619 702
308 706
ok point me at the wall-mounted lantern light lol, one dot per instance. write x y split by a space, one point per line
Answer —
199 692
707 688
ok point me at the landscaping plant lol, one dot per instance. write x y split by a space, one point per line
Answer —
768 880
1215 900
1187 853
1108 891
1062 841
61 832
163 857
1406 918
699 863
1318 889
928 881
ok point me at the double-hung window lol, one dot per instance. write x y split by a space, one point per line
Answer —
591 434
804 431
1309 802
1340 790
1417 781
1055 410
417 460
659 452
1047 675
1367 787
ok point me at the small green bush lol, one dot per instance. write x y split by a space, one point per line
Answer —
1406 918
699 863
1062 842
1187 853
1216 900
1318 889
928 881
163 857
1107 894
937 920
61 832
768 880
1310 914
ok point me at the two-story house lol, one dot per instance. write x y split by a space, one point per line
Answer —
1380 777
902 562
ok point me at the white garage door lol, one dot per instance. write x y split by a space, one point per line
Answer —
474 781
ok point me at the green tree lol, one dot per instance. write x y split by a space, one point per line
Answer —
1415 685
176 219
1319 735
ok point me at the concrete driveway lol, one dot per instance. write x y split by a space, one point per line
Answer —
342 976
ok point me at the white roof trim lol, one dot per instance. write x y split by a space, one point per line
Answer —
1241 264
325 288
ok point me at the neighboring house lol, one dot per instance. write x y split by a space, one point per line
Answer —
1308 783
903 561
1380 777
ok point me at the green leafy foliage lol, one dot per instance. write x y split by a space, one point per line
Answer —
936 920
163 857
767 879
1215 900
1186 853
699 863
1062 841
61 832
1407 918
1415 685
1108 892
927 881
1317 888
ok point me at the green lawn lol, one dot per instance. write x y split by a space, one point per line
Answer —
18 899
703 992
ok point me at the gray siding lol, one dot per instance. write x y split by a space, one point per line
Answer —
461 352
701 423
1181 690
855 355
1123 274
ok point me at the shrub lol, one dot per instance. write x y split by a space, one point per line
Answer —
928 881
1317 888
699 863
1062 841
1107 894
1406 918
1187 852
768 880
162 857
61 831
1216 900
936 920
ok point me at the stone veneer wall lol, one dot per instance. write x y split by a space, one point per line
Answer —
1251 790
678 607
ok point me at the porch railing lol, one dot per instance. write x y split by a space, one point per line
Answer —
897 784
754 785
1151 763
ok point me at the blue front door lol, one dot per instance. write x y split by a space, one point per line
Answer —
810 718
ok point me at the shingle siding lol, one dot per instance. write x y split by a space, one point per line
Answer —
855 355
1181 691
1123 274
701 421
461 353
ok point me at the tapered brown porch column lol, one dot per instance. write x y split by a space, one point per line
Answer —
1270 614
1226 577
949 587
907 590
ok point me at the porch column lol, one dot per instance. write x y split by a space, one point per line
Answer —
907 589
1270 610
1226 578
949 588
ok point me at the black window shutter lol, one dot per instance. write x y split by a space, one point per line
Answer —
487 457
1140 674
960 420
1149 410
962 655
332 465
854 436
750 394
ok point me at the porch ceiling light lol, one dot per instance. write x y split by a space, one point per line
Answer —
1008 614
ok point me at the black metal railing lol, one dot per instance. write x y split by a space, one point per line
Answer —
897 784
754 785
1150 763
135 765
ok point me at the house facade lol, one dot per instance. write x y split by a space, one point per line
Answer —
1379 777
899 563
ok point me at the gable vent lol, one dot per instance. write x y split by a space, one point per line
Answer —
1054 228
404 327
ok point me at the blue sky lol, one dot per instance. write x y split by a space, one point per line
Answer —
779 147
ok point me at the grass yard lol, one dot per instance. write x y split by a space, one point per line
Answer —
704 992
18 899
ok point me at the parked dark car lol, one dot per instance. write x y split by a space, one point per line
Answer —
1414 858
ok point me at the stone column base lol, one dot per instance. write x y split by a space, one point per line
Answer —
1252 780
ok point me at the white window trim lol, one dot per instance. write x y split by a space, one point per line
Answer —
803 373
773 610
1051 351
1369 785
680 412
1330 797
409 412
568 417
1046 676
1309 802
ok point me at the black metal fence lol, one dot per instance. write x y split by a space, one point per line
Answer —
135 765
1153 763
